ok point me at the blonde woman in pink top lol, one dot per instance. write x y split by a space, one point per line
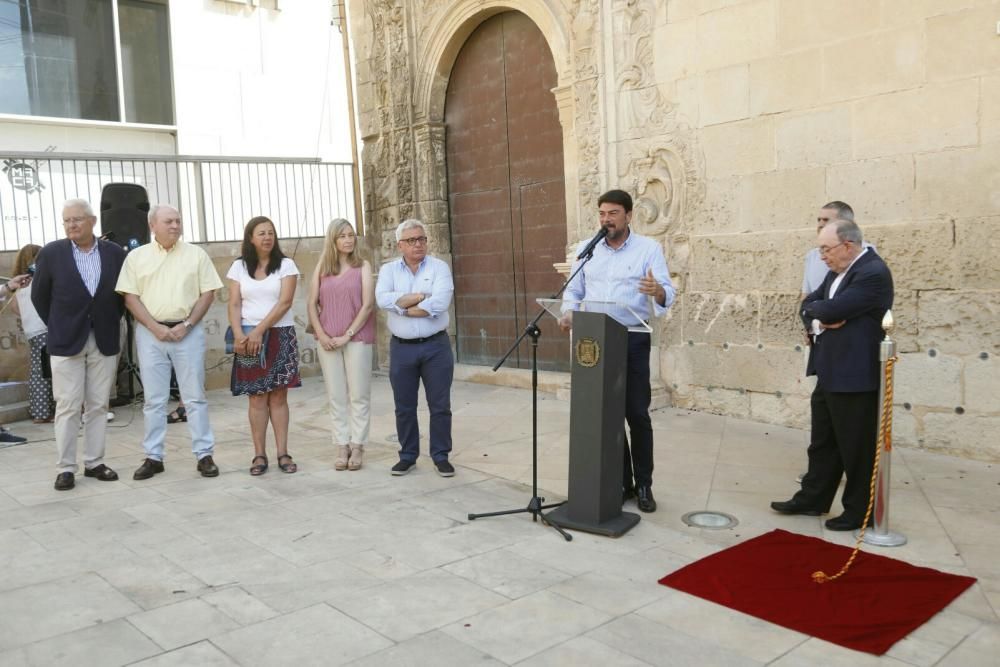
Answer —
341 309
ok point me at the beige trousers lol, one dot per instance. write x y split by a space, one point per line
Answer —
347 373
82 380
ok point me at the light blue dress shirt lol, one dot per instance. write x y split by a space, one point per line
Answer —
432 277
613 275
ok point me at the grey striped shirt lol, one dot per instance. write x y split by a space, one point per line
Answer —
89 265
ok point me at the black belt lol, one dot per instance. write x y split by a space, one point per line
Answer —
414 341
170 323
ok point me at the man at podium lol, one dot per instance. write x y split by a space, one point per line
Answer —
629 269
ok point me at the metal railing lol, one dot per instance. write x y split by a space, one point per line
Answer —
215 195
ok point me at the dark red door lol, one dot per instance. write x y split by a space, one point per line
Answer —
506 191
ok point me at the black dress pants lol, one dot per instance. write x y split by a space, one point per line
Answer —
638 461
844 430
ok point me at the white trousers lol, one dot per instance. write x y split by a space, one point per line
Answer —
347 373
82 380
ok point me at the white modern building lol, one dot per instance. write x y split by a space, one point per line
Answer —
229 108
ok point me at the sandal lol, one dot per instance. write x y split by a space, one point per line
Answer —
258 468
178 415
357 455
343 454
289 465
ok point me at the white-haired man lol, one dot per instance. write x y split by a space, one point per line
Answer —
415 290
73 291
168 286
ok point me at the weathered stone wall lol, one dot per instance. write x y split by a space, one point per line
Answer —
731 121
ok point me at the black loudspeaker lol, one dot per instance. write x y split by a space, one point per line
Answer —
124 211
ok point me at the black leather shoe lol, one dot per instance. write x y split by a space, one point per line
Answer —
102 472
148 468
792 507
644 499
65 481
842 522
207 467
628 492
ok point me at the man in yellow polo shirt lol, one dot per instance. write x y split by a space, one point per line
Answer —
168 286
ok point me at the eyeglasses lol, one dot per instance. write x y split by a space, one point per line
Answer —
76 220
414 241
824 250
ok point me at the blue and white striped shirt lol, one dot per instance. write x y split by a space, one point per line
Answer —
89 265
613 276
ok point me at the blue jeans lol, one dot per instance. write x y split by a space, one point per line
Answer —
188 360
432 362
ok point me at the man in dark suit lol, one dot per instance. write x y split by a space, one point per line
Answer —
74 294
843 318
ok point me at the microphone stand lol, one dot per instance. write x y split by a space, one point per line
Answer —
535 505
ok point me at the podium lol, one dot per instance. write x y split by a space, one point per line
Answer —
597 418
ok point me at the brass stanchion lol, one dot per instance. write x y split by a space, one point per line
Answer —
878 498
880 535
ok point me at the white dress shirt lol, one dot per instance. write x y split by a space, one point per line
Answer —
816 269
816 328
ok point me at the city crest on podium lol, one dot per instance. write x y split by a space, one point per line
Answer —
588 352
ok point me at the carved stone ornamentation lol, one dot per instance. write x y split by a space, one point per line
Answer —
432 176
586 50
642 109
658 196
586 54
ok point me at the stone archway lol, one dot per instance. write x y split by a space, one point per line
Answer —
506 194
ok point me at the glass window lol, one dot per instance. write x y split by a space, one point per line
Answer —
145 46
57 58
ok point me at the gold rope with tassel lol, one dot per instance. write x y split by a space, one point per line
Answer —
884 439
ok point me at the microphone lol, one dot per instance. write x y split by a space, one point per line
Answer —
107 236
589 250
133 243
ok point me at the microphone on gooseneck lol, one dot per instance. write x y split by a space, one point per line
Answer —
593 243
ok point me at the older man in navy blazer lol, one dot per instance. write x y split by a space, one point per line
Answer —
843 319
74 293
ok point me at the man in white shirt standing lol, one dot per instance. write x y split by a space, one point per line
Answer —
415 290
628 268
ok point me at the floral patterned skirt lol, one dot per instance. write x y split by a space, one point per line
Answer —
280 367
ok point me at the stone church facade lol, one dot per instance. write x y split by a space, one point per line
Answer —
731 122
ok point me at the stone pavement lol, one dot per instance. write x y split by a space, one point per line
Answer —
327 568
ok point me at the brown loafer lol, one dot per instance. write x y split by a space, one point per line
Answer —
207 467
102 473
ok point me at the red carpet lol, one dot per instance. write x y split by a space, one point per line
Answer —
878 602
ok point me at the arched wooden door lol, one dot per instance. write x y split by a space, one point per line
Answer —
505 191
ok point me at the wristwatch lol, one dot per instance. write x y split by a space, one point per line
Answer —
188 324
350 333
6 286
